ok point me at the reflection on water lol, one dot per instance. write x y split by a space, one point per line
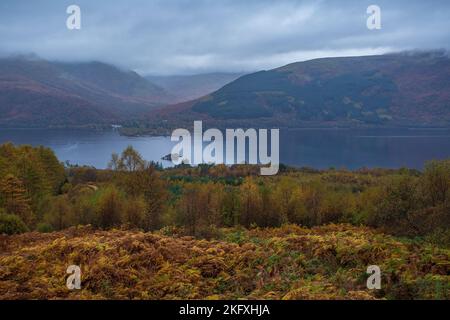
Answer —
318 148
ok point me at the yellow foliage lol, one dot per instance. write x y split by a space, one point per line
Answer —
290 262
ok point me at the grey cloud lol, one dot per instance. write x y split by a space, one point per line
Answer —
191 36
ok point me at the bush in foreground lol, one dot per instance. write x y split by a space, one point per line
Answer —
11 224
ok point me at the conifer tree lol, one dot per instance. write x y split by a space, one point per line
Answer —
15 199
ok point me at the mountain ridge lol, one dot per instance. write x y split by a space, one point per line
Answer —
40 93
398 89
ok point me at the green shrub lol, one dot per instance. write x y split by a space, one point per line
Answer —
11 224
44 227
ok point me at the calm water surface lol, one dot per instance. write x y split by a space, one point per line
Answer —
318 148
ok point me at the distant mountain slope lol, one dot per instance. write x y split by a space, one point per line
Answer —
36 93
190 87
392 89
115 81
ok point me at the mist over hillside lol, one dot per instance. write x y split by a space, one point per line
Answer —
38 93
189 87
401 89
409 88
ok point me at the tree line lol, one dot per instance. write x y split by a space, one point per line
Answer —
39 193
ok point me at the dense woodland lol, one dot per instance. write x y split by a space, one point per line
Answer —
37 192
216 232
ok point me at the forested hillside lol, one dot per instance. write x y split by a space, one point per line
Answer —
409 87
253 245
401 89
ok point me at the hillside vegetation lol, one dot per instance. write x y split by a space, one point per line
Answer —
37 190
290 262
402 89
39 93
219 231
374 89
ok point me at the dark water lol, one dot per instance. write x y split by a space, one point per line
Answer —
356 148
318 148
86 147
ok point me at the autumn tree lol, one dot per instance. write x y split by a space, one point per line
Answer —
60 215
251 203
284 198
84 209
33 176
54 170
436 182
201 208
308 205
141 181
110 208
230 206
135 210
114 163
189 208
15 200
130 160
393 205
38 170
149 185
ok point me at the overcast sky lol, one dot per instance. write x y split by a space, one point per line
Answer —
197 36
